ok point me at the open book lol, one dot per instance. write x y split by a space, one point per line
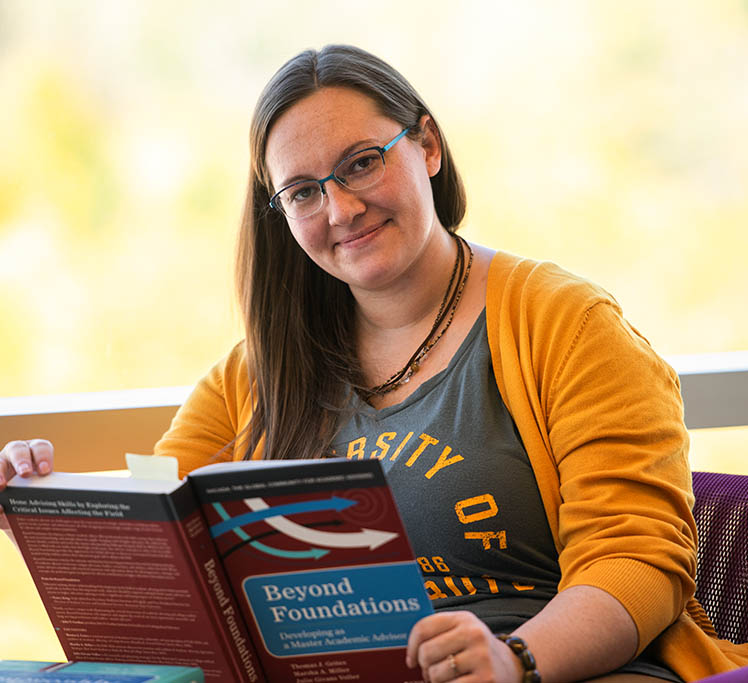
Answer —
294 571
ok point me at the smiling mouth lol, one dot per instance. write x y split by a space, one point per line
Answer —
349 241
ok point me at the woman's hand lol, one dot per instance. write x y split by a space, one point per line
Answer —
25 458
457 646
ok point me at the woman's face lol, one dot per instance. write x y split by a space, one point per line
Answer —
371 237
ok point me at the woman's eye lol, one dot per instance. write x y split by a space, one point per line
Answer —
363 163
303 193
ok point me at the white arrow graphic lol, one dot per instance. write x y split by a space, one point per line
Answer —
366 538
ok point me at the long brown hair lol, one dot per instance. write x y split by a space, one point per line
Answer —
298 319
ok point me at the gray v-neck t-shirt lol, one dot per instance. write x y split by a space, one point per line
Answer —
465 489
467 493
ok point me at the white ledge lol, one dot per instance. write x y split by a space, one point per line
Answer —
714 388
95 400
701 363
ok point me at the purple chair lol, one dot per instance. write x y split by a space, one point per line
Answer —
735 676
721 512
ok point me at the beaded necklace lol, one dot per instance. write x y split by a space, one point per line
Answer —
447 309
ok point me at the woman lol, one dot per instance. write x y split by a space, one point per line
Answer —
532 438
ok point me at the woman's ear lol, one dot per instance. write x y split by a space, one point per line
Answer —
431 143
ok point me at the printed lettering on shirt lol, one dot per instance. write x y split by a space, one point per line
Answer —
485 504
480 514
476 509
432 564
384 446
357 449
441 587
487 536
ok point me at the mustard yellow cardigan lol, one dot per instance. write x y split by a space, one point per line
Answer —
601 418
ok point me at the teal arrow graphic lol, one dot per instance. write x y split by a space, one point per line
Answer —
234 523
314 553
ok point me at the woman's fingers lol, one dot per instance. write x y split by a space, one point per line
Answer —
456 646
42 454
25 457
422 632
12 451
433 638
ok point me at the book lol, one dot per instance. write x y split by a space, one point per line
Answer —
283 571
18 671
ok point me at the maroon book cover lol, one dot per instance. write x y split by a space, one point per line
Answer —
127 572
320 564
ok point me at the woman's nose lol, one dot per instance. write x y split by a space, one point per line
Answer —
342 204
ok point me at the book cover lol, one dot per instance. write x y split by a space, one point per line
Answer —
127 572
17 671
321 566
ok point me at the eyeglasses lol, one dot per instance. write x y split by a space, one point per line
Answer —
355 172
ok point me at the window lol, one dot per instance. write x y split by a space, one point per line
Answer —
594 136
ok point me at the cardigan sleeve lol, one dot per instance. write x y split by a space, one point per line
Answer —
601 417
615 424
211 424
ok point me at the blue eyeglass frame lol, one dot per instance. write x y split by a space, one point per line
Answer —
332 176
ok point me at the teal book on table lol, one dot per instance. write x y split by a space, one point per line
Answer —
17 671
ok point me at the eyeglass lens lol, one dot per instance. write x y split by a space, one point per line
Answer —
357 172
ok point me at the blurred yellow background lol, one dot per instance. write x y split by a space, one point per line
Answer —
608 137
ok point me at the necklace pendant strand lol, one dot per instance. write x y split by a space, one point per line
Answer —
447 309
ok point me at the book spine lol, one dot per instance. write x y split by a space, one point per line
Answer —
220 598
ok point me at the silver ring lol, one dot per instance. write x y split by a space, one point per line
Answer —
452 664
